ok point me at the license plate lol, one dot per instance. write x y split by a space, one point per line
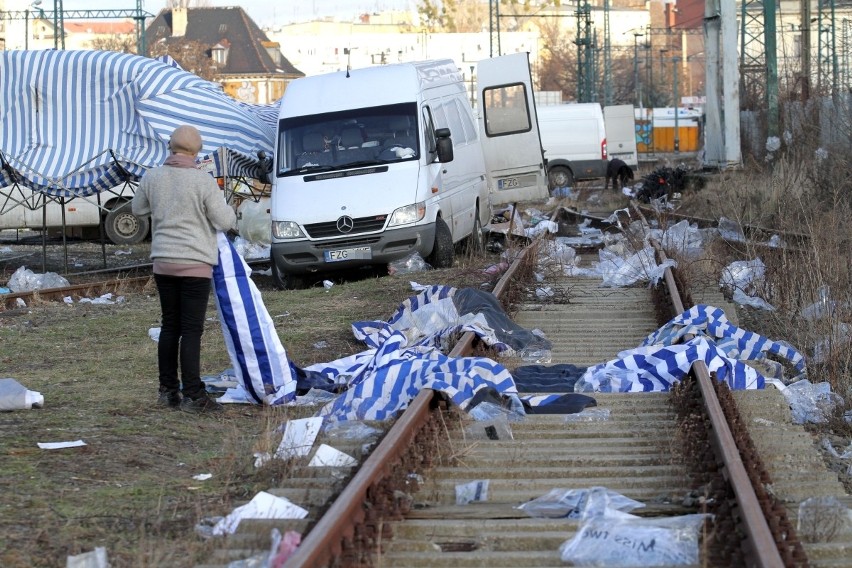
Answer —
357 253
508 183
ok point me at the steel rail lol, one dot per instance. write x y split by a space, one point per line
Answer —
325 540
759 537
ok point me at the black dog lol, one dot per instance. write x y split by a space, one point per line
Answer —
619 172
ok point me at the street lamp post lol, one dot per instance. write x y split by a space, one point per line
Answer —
636 84
35 4
675 60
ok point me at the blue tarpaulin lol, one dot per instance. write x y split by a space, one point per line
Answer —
73 123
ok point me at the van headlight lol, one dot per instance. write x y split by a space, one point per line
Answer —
408 214
286 230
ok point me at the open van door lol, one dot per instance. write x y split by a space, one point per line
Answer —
620 124
509 130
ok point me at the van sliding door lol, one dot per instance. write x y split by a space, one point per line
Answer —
509 130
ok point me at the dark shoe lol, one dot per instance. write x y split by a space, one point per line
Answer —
170 399
202 404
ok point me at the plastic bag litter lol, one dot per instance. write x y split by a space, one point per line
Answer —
497 428
472 492
731 230
96 558
411 263
617 271
820 519
488 411
578 503
25 280
253 222
810 402
745 275
621 539
589 415
15 396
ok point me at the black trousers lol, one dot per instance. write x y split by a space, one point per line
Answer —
183 301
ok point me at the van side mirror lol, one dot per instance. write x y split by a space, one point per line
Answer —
444 145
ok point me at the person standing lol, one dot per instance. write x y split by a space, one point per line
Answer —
619 172
187 208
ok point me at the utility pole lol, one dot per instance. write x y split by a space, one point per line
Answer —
722 109
607 75
637 86
493 26
806 49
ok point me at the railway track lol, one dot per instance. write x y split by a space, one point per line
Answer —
399 508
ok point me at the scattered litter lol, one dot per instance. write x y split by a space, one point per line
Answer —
15 396
154 333
280 550
589 415
847 453
578 503
60 445
313 397
621 539
488 411
20 303
497 428
25 280
326 456
263 506
351 430
123 252
4 290
321 345
68 299
96 558
535 355
327 284
411 263
473 492
820 519
202 476
298 439
105 299
809 402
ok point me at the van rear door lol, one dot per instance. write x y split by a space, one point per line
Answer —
509 130
620 124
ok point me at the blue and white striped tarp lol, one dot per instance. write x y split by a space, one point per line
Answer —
259 360
73 123
661 361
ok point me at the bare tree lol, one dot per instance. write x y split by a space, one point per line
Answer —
191 55
120 43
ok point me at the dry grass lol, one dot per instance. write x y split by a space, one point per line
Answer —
131 488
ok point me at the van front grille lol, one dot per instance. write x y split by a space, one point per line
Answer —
359 225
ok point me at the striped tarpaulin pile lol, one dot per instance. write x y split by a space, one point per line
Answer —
661 361
73 123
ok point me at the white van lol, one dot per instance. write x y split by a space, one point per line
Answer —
374 164
573 137
620 122
22 208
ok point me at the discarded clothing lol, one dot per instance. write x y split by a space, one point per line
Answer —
659 362
547 378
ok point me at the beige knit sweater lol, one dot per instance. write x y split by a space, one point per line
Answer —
186 208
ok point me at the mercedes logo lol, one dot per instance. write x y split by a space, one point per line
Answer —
345 224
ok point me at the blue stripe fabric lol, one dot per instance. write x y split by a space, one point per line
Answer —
71 122
259 359
662 359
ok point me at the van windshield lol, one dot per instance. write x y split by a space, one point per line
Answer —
351 138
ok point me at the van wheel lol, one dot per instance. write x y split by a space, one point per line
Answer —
442 251
559 177
123 227
476 240
285 281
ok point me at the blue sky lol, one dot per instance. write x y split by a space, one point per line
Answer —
264 12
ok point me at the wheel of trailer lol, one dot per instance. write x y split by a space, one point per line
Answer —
123 227
284 281
442 251
559 176
476 241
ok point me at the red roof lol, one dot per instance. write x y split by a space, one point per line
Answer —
92 27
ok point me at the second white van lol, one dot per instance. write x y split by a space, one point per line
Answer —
573 137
